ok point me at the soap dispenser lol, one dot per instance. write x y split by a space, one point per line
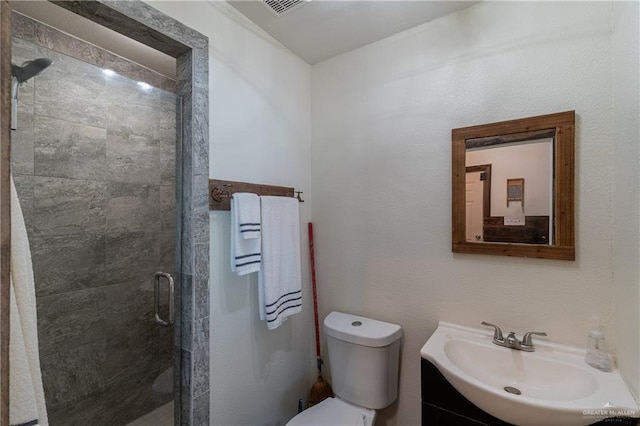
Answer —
597 355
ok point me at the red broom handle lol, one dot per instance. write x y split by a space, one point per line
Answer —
315 292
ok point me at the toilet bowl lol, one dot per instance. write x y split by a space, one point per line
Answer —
364 357
334 412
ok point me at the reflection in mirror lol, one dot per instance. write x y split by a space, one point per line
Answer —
513 187
512 215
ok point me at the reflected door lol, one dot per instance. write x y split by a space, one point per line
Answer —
474 206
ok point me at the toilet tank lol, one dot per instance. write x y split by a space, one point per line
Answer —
364 358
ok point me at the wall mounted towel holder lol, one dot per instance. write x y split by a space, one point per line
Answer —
220 192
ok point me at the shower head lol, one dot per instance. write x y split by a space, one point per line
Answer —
21 74
29 69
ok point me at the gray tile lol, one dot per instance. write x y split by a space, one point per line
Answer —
133 207
60 42
133 118
71 89
200 222
177 325
186 317
122 87
21 27
166 110
200 133
130 308
168 206
166 136
64 263
201 296
167 164
187 133
136 355
201 281
75 373
184 73
129 400
92 410
201 69
70 319
131 255
132 158
167 251
163 385
67 67
67 149
22 143
68 206
187 245
201 410
137 346
201 357
187 241
186 401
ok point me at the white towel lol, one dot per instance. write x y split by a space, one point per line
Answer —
248 206
245 253
280 278
26 405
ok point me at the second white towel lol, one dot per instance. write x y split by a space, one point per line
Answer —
280 278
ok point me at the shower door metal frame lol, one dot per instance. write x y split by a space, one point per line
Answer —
5 204
141 22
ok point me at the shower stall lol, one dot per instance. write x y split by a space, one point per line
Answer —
94 164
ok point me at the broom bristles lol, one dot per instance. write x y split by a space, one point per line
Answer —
320 391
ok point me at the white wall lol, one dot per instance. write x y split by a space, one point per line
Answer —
626 181
260 132
531 161
381 164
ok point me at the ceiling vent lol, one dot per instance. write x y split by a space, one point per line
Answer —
282 7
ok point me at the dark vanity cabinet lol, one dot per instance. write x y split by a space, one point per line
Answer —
443 405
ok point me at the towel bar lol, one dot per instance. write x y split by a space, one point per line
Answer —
221 191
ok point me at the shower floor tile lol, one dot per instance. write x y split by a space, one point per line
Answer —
162 416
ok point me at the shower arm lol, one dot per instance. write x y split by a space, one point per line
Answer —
14 88
15 85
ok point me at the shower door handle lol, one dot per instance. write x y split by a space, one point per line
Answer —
156 298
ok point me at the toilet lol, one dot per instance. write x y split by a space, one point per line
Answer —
364 357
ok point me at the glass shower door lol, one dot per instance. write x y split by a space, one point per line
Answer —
94 165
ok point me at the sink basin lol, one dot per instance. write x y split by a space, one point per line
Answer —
551 386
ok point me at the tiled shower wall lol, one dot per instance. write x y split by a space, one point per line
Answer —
94 164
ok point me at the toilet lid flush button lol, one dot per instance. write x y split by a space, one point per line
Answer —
356 323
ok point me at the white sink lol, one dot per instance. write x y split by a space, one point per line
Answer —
556 386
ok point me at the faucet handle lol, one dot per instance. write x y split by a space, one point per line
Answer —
497 333
526 339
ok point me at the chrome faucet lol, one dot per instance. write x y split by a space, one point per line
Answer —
511 341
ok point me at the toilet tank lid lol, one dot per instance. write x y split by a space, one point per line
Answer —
360 330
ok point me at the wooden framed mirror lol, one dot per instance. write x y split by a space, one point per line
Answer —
537 223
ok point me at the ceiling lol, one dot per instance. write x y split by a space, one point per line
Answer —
315 31
321 29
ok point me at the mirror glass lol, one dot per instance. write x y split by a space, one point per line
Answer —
498 172
513 187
